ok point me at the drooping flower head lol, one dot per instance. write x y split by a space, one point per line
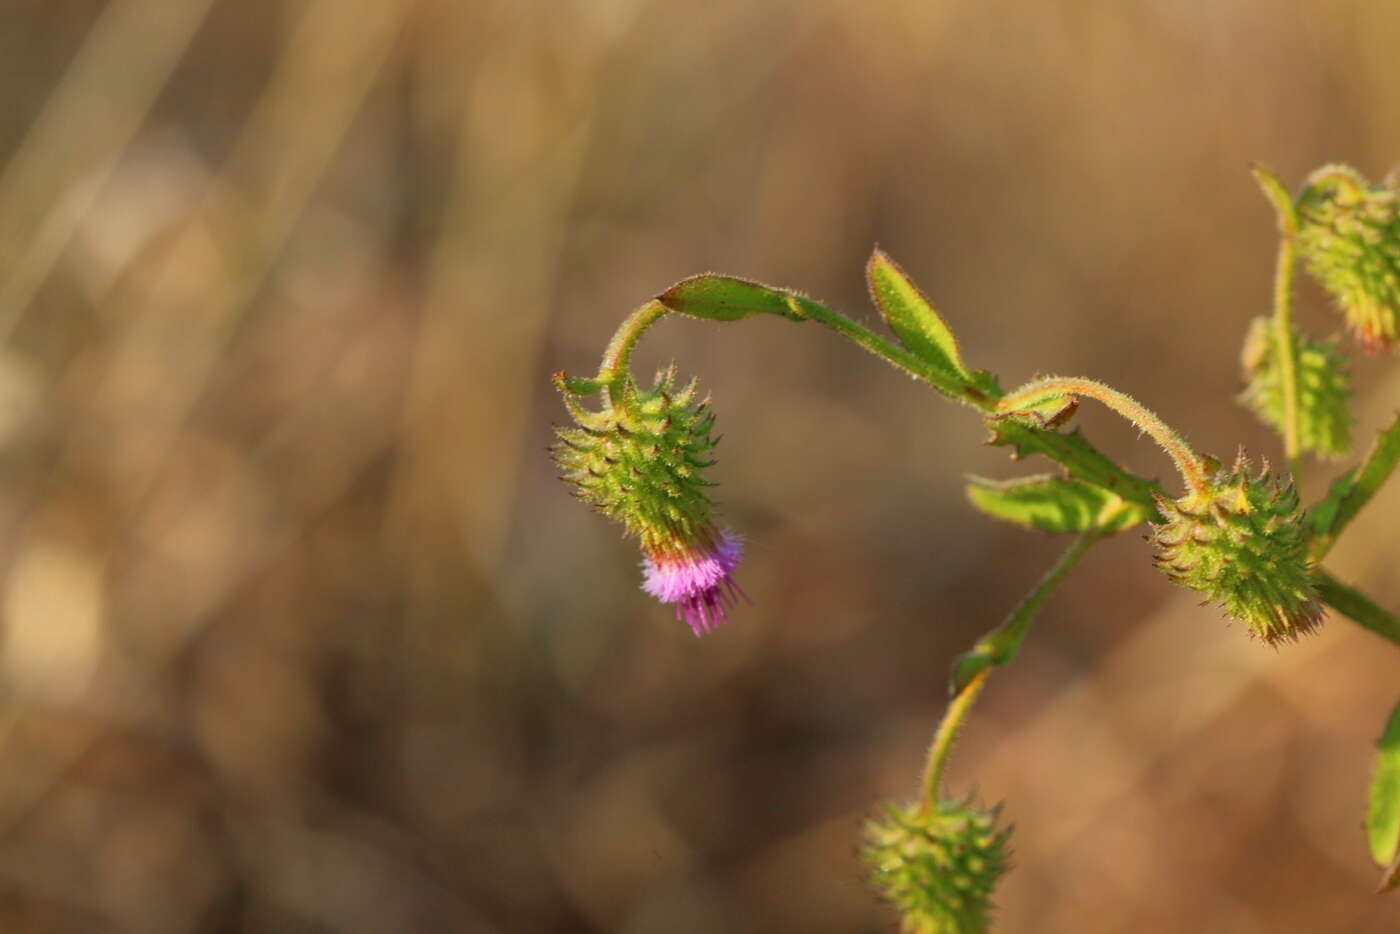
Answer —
1349 240
938 866
1241 543
640 461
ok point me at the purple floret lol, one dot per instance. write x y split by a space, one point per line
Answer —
699 583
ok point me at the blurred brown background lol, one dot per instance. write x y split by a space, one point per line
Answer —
301 635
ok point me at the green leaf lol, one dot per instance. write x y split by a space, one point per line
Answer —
727 298
1054 504
1383 810
1082 459
912 317
1354 489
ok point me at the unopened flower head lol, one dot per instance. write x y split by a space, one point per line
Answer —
938 866
1349 240
1241 543
640 462
1324 389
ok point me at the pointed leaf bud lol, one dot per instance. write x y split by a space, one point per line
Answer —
1241 543
1324 389
938 866
640 461
1349 240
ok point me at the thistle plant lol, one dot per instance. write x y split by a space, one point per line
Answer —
1241 539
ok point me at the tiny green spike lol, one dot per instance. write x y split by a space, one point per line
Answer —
937 866
1241 542
1349 241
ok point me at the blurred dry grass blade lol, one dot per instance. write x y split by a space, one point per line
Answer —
50 181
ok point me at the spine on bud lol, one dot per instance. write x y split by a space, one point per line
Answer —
640 461
1349 240
1241 544
938 866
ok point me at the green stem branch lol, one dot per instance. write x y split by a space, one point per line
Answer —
1188 463
1356 606
1286 347
618 356
1285 340
913 365
996 648
942 745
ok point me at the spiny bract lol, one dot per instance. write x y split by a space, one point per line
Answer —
1242 544
1349 240
640 462
938 866
1324 389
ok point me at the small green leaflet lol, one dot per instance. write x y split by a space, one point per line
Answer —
1353 489
912 317
1054 504
727 298
1383 810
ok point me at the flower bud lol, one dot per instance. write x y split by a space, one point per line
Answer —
1349 240
1324 389
1241 543
938 866
640 461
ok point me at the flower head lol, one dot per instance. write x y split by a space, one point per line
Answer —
1241 543
1349 240
698 581
939 865
640 461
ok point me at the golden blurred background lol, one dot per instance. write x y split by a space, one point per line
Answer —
300 633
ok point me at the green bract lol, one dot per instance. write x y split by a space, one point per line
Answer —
1241 543
1324 389
1349 240
640 461
938 866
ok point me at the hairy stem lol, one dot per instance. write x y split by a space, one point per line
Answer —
913 365
1188 463
948 729
996 648
618 356
1357 607
1285 343
1286 347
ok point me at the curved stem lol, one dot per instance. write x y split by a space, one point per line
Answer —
996 648
1188 463
948 728
1334 176
618 355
